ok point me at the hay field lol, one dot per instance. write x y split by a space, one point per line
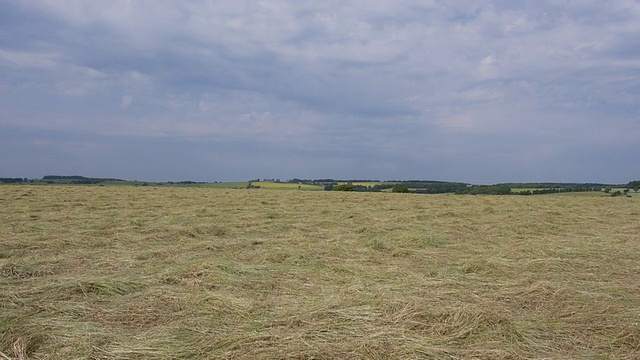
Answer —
202 273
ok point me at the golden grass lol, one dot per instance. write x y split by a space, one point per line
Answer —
188 273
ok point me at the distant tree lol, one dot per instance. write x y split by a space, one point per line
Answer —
635 185
400 188
343 187
616 193
12 180
328 187
607 190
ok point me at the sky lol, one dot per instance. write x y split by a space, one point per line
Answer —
459 90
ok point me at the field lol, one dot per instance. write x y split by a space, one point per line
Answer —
199 273
285 186
222 185
365 183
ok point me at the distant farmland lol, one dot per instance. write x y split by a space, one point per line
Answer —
285 186
148 272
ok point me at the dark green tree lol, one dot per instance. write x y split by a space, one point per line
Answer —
343 187
400 188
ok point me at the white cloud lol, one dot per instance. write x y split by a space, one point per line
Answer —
126 101
29 60
488 67
483 94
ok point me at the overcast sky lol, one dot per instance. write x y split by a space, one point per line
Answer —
471 91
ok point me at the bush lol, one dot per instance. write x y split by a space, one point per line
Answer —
400 188
343 187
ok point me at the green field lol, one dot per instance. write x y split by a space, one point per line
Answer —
222 185
285 186
106 272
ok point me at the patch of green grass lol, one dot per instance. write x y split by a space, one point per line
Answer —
221 185
285 186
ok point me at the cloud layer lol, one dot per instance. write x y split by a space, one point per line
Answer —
471 91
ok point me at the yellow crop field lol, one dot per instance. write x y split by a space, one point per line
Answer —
205 273
366 183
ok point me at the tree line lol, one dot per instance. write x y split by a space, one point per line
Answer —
413 186
418 187
13 180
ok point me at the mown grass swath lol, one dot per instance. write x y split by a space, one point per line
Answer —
183 273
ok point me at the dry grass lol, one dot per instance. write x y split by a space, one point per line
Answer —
187 273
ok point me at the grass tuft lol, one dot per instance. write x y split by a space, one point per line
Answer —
106 287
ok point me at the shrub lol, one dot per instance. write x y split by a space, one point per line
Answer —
400 188
343 187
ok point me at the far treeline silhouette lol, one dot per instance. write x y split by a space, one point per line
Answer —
60 179
412 186
76 179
